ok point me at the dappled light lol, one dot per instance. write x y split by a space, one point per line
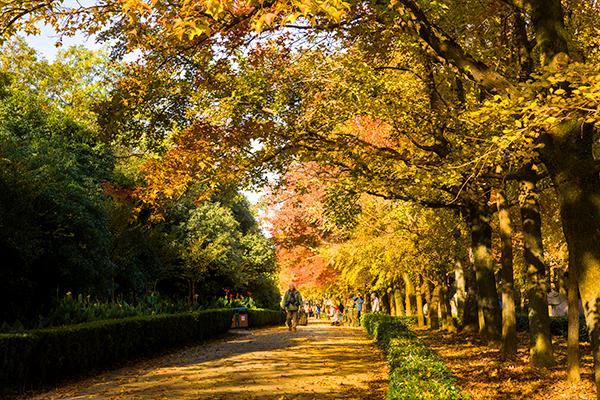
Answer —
320 361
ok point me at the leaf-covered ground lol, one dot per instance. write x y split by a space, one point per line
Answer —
483 374
317 362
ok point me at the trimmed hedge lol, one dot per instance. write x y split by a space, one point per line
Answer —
36 358
415 371
263 317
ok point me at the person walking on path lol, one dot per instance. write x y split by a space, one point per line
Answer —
292 299
375 306
358 303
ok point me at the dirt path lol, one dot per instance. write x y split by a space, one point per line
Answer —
317 362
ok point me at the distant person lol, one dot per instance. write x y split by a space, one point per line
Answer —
358 305
375 306
318 311
350 314
337 316
292 300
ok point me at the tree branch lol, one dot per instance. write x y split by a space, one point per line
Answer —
448 49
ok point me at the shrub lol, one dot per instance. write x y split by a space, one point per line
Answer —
262 317
39 357
415 371
558 326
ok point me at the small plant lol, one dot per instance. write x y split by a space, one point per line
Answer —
232 299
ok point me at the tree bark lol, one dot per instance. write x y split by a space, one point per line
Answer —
461 289
567 154
419 299
398 302
470 317
487 295
573 374
427 291
540 340
392 301
448 322
409 288
400 305
432 309
509 318
385 303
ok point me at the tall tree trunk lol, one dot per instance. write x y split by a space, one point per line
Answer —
392 302
398 302
567 154
432 309
461 289
487 295
470 318
447 320
540 340
409 290
385 303
509 318
573 374
419 299
427 292
400 305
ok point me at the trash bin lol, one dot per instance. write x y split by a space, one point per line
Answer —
240 318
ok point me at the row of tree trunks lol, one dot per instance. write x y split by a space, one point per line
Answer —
568 156
395 302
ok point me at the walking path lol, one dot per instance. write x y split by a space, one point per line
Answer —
317 362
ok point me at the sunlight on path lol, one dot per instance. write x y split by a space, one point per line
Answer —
317 362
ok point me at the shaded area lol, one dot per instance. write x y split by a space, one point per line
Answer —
317 362
483 374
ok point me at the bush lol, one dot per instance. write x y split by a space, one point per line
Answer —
415 371
558 326
262 317
39 357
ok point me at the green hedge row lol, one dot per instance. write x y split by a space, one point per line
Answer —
558 326
263 317
39 357
415 371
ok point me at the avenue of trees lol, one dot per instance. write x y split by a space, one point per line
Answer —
475 122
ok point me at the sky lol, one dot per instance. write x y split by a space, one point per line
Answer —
44 43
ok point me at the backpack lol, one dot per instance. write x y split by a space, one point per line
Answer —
294 298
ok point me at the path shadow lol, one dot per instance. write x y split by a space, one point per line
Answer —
317 362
